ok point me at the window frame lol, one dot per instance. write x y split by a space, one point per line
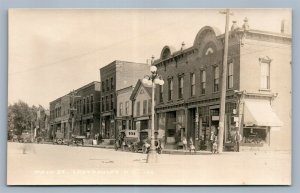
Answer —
193 84
203 81
216 79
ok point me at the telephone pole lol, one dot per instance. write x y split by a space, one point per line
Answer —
223 87
73 111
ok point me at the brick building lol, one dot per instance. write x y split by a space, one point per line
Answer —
87 113
258 96
83 106
116 76
60 118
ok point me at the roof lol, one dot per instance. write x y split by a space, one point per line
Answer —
137 87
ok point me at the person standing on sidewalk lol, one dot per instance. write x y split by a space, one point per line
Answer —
192 147
184 143
238 139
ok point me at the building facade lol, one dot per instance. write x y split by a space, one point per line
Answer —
87 110
258 88
141 105
124 114
60 117
76 113
116 76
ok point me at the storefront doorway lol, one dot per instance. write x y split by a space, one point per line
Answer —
171 127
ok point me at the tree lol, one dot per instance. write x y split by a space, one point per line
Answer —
21 117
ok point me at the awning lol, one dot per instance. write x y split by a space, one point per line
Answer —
260 113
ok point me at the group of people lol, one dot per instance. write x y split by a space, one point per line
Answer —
191 144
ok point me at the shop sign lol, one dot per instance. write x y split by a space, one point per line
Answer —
215 118
235 119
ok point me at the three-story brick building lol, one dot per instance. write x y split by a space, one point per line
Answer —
116 76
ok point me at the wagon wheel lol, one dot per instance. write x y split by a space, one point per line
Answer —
59 141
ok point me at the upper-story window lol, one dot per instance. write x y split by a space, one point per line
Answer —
112 101
92 103
216 78
102 104
107 85
80 110
170 89
161 90
121 109
106 103
145 107
203 81
112 83
127 107
193 82
180 87
87 105
103 86
230 76
149 106
84 109
138 108
265 75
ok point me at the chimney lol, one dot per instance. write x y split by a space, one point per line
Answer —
182 46
285 27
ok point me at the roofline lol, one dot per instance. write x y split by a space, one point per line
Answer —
253 31
121 61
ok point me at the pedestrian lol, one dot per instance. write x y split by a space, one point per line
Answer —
212 139
123 144
192 147
238 139
184 143
215 147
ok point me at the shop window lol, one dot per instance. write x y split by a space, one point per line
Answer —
255 135
123 124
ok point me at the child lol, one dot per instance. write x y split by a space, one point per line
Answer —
192 147
215 147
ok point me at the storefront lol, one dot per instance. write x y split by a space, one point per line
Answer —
259 120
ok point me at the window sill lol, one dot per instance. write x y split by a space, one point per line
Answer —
265 90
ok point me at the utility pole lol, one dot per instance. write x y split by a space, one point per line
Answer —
223 87
73 110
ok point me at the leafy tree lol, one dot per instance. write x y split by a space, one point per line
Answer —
22 117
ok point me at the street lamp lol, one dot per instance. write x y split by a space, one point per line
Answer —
152 80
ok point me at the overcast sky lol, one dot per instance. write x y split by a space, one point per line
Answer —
52 52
